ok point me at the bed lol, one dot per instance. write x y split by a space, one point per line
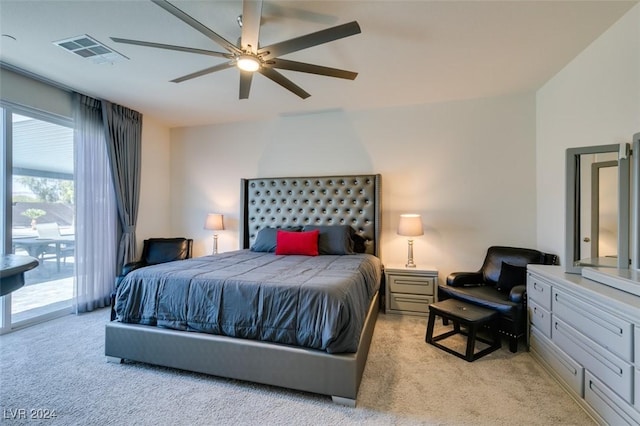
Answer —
331 366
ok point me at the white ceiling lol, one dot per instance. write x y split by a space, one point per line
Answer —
409 52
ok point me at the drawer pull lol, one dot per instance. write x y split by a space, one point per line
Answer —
568 366
538 287
410 282
411 300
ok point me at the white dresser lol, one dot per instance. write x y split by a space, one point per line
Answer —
588 336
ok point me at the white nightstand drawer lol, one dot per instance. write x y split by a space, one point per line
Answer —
540 291
411 284
410 302
540 318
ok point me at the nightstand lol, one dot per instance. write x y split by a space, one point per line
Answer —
410 290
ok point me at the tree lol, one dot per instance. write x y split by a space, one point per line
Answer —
33 214
49 190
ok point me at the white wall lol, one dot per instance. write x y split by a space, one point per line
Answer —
154 212
595 100
468 167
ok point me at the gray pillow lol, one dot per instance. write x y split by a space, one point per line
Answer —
266 239
333 239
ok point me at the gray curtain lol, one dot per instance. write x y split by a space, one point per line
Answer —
124 141
96 210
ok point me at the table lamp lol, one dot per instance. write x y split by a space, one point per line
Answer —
410 225
214 223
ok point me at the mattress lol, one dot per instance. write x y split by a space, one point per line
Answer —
317 302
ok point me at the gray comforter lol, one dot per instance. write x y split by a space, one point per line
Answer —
316 302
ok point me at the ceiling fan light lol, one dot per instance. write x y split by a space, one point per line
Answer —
248 63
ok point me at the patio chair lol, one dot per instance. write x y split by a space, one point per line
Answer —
61 247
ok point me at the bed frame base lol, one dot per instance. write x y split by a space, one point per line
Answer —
337 375
343 401
115 360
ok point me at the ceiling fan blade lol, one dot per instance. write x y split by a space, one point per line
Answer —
172 47
245 83
197 25
309 40
205 71
251 15
275 76
310 68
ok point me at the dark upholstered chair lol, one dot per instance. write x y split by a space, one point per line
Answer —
160 250
500 285
154 251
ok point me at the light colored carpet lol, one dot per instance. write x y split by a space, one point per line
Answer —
60 365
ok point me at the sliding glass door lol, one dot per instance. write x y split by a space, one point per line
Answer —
38 197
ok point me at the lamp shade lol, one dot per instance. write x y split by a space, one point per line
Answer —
410 225
214 222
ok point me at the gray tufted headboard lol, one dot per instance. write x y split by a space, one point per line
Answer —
325 200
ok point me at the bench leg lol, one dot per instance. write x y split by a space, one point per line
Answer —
471 342
432 319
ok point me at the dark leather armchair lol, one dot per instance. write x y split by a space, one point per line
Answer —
154 251
160 250
499 285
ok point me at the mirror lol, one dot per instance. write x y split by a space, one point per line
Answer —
597 223
600 210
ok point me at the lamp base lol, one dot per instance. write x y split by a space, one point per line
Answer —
410 263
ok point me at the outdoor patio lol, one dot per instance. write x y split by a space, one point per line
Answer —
46 289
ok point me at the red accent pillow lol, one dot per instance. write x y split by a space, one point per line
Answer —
302 243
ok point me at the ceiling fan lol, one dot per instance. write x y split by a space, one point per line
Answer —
248 56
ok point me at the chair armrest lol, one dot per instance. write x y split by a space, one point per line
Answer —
518 293
461 279
131 267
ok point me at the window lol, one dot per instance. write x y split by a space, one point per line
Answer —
38 201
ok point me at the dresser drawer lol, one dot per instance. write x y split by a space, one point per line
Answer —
411 284
540 318
607 404
637 390
410 303
540 291
614 371
610 332
571 372
637 350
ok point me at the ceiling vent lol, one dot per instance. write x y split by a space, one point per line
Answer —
91 49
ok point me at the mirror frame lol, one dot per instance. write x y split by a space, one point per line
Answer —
635 236
572 231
